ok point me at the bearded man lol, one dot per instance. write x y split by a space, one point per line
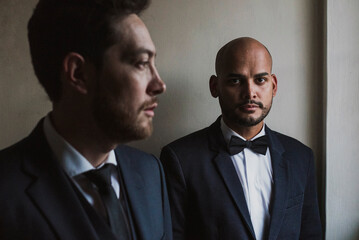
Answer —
72 177
238 179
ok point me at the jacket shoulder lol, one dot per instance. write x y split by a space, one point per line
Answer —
295 151
290 143
14 153
188 141
136 157
133 151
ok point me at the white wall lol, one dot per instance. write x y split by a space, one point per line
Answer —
342 128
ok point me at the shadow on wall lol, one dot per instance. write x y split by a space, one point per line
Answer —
316 101
355 235
350 235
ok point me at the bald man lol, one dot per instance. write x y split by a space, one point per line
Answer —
238 179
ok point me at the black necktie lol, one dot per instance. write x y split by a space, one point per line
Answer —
259 145
115 212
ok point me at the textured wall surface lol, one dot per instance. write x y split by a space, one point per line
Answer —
22 100
342 126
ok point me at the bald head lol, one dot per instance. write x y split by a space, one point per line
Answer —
237 50
245 85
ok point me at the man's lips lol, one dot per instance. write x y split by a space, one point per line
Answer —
149 110
252 102
249 107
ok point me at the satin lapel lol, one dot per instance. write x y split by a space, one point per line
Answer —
280 188
226 169
51 191
139 210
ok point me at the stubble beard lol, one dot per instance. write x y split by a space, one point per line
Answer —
119 123
249 121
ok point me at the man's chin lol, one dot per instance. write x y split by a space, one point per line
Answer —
142 130
248 121
121 133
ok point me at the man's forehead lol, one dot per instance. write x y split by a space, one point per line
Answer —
238 59
242 51
245 51
133 35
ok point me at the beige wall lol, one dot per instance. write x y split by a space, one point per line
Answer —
187 35
342 126
22 101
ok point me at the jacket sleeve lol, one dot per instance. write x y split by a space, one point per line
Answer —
177 192
311 225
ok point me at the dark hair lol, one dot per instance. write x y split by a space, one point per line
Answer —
58 27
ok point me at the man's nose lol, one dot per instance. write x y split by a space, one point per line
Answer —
249 90
156 85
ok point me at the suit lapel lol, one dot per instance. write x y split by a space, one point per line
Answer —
225 167
280 188
139 211
51 190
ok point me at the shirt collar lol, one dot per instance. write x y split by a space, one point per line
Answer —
228 133
72 161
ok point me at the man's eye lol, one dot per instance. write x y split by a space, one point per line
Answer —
143 64
234 81
261 80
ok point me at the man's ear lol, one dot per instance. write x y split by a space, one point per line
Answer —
274 82
75 73
213 86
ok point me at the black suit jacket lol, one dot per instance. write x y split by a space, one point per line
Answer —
206 196
38 200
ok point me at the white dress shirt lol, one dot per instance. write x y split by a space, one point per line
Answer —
75 164
255 174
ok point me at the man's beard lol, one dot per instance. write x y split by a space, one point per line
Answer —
119 123
250 121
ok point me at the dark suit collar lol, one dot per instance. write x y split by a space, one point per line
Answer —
216 139
224 164
274 143
51 190
280 187
230 177
48 183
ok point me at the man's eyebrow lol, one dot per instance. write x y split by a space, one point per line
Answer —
130 54
144 51
261 74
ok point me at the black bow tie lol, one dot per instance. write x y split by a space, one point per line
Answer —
259 145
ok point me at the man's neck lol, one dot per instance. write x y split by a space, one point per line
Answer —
83 136
247 132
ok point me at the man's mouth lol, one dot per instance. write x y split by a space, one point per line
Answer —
250 105
149 108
